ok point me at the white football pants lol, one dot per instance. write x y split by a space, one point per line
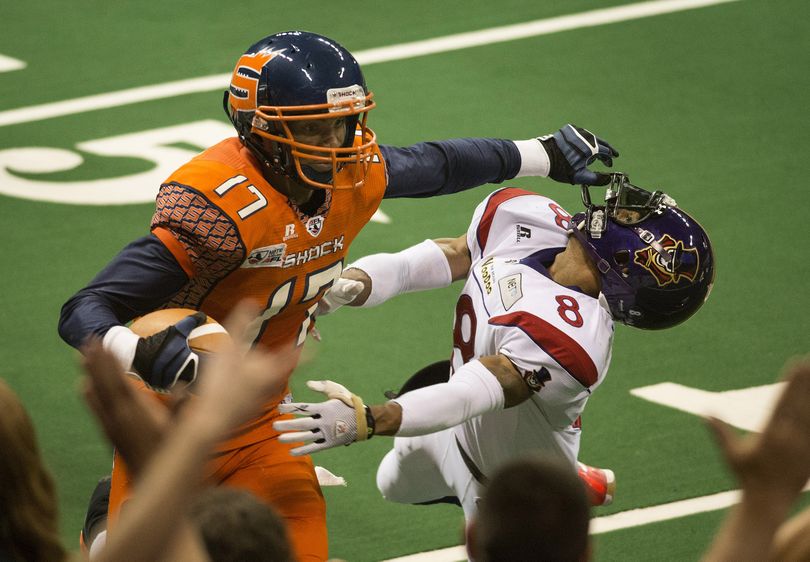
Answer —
425 468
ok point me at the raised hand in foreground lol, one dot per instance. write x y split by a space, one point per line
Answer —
772 468
233 385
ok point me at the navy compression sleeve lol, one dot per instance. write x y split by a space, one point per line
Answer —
143 276
449 166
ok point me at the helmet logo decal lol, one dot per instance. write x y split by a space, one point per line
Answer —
245 78
354 93
678 263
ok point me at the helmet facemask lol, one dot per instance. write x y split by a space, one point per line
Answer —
625 204
293 158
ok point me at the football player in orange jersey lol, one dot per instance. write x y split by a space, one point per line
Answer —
269 215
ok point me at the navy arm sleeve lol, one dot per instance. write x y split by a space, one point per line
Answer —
143 276
442 167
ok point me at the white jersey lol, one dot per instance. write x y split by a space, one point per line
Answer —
558 337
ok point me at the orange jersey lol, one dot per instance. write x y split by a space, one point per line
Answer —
238 238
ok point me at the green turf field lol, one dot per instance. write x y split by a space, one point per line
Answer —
708 104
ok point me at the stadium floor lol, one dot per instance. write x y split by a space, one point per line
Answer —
704 100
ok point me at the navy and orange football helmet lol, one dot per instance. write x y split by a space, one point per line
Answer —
300 76
656 262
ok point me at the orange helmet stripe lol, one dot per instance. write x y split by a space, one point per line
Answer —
245 79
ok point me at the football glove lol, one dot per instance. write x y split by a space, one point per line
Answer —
571 150
341 420
164 358
342 292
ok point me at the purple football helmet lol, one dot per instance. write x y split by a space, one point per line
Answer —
655 261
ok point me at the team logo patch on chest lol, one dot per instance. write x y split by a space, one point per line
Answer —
268 256
511 288
536 380
314 225
679 262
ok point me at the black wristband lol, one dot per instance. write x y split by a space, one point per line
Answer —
370 423
559 168
144 359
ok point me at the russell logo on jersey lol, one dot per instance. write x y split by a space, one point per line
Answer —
289 232
522 232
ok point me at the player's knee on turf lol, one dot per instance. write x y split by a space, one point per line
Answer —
387 480
411 481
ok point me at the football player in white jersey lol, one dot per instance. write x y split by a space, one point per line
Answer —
532 337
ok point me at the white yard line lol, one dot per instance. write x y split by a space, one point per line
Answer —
531 29
7 64
451 554
370 56
609 523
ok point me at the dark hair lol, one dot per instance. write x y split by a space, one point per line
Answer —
29 516
533 510
236 526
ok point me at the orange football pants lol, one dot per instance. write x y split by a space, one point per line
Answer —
267 469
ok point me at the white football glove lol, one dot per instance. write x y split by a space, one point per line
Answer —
342 420
343 291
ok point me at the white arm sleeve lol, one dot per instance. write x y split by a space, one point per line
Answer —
473 390
121 342
417 268
534 159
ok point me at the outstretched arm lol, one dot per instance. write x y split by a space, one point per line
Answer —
374 279
485 385
772 467
441 167
440 406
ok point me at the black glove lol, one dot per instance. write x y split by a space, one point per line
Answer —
164 358
571 150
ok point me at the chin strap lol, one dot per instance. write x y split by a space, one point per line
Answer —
320 177
614 288
649 238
